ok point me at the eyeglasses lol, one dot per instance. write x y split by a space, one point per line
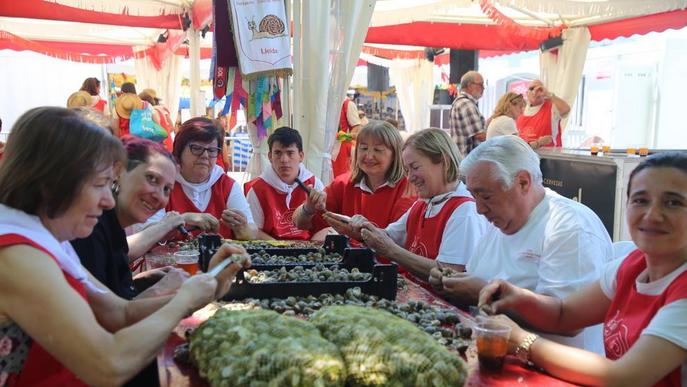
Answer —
198 150
533 88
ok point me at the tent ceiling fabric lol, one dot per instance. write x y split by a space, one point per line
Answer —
423 23
535 13
130 7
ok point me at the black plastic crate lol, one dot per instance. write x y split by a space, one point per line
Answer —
209 243
382 284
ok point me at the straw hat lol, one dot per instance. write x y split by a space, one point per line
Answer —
127 102
80 98
148 93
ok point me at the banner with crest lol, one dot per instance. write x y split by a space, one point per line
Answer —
262 38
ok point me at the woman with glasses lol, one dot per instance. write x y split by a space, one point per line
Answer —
502 123
203 189
375 188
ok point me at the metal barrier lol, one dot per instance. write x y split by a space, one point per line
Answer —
240 150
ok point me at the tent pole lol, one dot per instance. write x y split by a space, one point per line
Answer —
197 105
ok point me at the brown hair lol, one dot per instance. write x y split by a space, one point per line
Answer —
387 135
435 144
196 129
90 85
57 151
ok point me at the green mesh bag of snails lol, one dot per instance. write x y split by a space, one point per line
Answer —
264 348
381 349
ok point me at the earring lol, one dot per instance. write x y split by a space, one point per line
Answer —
115 187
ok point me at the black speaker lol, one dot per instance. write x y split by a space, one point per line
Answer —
377 78
462 61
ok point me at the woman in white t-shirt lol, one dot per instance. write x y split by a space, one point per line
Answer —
641 298
502 123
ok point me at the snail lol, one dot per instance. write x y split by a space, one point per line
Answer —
271 26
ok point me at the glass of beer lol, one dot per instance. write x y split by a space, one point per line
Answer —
187 260
492 344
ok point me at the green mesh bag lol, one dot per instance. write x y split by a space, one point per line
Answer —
263 348
381 349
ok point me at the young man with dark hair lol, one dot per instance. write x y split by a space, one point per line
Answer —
275 195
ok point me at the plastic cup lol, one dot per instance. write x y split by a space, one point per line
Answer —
155 260
643 151
631 151
492 344
187 260
594 149
606 148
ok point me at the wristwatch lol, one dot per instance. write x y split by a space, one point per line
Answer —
522 352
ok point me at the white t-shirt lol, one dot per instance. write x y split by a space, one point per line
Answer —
464 228
562 248
352 114
669 322
502 126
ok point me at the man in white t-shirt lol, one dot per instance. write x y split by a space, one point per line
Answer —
547 243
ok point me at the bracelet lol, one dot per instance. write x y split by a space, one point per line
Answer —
522 352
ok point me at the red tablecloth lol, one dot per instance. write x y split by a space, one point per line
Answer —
173 374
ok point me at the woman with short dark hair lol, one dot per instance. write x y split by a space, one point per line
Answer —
202 188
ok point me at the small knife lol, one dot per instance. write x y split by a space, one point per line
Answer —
221 266
303 186
184 231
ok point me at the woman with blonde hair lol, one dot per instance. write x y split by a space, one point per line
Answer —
509 107
375 188
442 225
502 123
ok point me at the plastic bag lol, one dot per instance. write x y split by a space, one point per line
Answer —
141 124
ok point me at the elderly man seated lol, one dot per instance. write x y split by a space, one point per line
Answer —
547 243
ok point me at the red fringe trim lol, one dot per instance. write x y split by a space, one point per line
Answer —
499 18
55 52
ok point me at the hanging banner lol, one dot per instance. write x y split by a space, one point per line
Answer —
261 34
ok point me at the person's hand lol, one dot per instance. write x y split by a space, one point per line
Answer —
341 224
436 279
376 238
226 276
502 296
517 334
201 220
148 278
234 218
462 287
198 291
481 136
171 221
545 140
316 201
172 279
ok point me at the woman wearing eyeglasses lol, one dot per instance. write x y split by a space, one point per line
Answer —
502 123
203 188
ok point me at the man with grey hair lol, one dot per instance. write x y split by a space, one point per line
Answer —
547 243
465 120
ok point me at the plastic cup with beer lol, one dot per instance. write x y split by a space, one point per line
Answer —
187 260
631 151
643 151
492 344
606 149
594 149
